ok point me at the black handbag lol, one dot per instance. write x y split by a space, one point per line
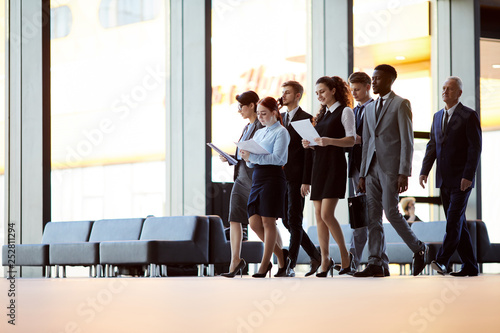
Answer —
358 211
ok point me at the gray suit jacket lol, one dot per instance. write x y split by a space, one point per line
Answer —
391 136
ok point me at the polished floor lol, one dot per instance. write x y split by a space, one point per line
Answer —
247 305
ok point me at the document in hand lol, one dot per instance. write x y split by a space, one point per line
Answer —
252 147
306 130
228 157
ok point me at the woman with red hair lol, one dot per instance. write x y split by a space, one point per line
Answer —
266 200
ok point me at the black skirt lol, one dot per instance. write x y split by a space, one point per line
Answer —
267 195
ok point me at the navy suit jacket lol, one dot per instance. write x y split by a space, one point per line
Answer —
299 165
456 152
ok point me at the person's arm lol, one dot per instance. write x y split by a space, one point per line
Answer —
429 157
279 154
473 132
406 138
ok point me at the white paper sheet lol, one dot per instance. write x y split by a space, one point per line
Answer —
306 130
252 147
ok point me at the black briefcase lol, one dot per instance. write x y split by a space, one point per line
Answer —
358 211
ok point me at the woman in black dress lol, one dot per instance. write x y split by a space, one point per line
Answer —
247 107
336 126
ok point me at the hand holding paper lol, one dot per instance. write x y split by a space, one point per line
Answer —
306 130
252 147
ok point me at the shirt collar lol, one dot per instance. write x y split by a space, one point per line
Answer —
386 96
333 107
451 110
292 113
365 103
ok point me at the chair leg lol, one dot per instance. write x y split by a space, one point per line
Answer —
201 269
211 270
164 270
48 270
64 271
57 271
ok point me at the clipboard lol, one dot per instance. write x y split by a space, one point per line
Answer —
230 159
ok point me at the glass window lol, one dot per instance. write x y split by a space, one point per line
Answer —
60 22
108 116
113 13
3 23
382 36
490 123
252 49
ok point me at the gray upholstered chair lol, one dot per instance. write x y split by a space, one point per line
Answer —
54 233
171 240
87 253
486 252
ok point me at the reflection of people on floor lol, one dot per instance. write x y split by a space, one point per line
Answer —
408 205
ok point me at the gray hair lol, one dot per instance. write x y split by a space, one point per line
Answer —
457 80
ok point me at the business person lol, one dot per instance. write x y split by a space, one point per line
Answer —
247 108
385 168
335 125
455 145
298 180
360 84
266 200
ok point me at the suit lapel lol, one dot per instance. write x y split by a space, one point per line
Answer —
386 105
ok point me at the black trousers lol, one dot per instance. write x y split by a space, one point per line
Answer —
294 207
457 235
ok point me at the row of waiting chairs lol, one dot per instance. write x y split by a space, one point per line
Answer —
154 242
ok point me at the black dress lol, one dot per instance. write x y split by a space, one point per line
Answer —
329 171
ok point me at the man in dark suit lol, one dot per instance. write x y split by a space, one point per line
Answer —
298 177
455 144
385 168
360 83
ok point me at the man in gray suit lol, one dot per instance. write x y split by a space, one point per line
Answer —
385 168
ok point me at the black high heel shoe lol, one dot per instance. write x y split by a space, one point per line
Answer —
328 270
262 275
239 268
349 269
282 270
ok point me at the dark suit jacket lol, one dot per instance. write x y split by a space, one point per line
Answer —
257 126
299 165
457 152
356 152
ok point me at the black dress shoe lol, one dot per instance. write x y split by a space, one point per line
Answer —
349 269
263 275
239 268
419 261
328 270
440 268
371 270
315 264
283 270
465 272
386 271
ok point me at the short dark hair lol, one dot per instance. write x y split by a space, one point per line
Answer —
360 77
247 98
388 69
296 86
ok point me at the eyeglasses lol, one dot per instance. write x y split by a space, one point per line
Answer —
240 106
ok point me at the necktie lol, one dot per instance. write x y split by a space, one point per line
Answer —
359 115
380 106
445 123
287 120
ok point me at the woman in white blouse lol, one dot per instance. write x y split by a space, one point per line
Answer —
336 126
